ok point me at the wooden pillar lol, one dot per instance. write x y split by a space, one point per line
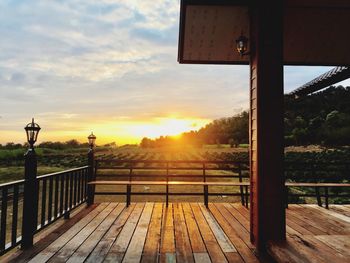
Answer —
266 124
30 199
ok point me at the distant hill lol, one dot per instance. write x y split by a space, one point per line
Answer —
320 118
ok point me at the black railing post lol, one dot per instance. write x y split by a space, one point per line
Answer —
91 188
30 199
240 180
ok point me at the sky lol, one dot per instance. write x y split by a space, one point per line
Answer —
110 67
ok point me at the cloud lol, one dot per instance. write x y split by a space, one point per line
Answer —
79 63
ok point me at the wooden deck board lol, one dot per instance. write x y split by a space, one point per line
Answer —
215 252
189 232
102 248
182 241
118 249
152 244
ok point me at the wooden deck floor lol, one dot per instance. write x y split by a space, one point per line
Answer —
188 232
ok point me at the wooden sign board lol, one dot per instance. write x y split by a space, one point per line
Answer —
315 32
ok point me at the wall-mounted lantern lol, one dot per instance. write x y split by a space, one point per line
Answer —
242 45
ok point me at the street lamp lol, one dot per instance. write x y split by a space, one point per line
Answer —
91 164
32 130
30 188
242 45
92 139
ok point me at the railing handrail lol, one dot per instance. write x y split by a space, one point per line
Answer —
12 183
62 172
170 161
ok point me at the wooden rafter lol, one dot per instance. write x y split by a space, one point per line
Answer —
329 78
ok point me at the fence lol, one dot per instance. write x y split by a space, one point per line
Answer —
166 171
59 193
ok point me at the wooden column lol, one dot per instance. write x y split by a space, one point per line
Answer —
266 124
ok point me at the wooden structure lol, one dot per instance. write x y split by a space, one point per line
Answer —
290 32
325 80
183 232
171 174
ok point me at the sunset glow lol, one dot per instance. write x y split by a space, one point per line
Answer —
110 67
133 132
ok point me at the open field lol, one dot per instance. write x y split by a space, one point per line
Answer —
49 160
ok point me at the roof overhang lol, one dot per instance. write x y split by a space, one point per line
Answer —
315 32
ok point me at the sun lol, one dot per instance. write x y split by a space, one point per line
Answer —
166 126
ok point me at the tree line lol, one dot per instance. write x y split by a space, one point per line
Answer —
231 130
321 118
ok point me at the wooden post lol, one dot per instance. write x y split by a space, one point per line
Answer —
91 188
30 199
267 205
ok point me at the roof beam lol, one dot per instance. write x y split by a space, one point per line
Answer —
327 79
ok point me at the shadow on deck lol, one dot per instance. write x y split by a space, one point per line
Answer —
188 232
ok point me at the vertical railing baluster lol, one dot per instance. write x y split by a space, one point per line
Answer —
326 197
82 198
75 177
70 190
49 212
56 196
240 180
61 194
167 184
86 179
66 212
206 194
3 218
14 215
43 202
78 184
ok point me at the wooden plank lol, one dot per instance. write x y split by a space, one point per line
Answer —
167 257
25 255
242 209
196 240
318 220
88 245
345 220
304 248
339 243
240 218
169 183
116 252
340 209
62 240
102 248
68 249
152 245
240 231
242 248
167 248
182 241
328 252
214 250
134 251
201 257
296 227
220 235
284 252
301 220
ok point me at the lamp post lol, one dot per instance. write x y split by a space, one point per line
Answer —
31 189
91 163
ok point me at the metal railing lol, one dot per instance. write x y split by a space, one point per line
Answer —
58 194
162 170
318 172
